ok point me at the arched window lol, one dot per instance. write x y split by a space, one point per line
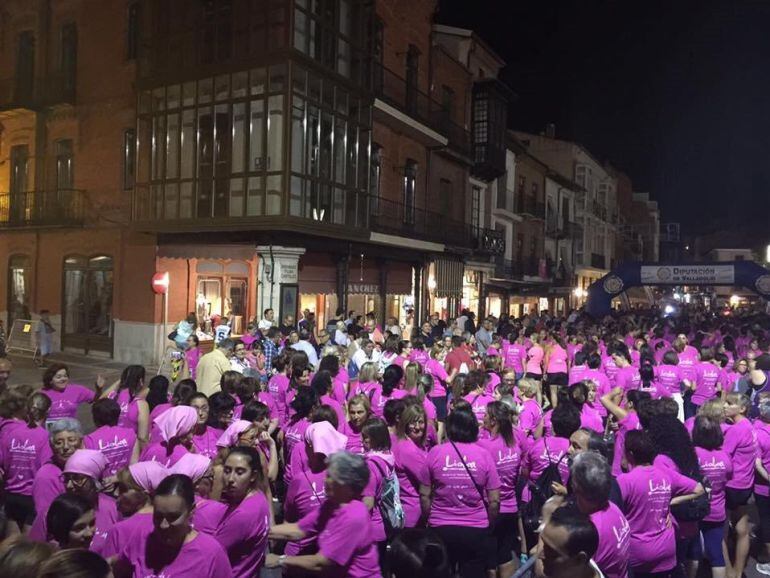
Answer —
87 302
18 289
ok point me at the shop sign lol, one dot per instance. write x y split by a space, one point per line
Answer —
364 288
288 272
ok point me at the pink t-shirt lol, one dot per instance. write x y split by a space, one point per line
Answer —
305 493
668 378
535 360
507 461
614 538
123 532
208 515
159 453
129 409
206 443
530 415
436 370
381 465
243 535
294 433
647 493
409 462
343 535
202 556
590 418
22 451
456 501
577 373
116 443
557 360
717 469
627 424
277 387
493 380
610 369
269 401
47 486
479 404
601 384
628 378
514 357
542 453
354 443
334 404
192 357
706 380
419 356
65 403
741 445
762 430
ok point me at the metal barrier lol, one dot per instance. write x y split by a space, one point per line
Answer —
527 570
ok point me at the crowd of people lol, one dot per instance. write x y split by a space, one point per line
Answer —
633 446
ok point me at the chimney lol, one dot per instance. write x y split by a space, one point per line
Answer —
550 130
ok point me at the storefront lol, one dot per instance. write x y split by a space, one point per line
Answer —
445 288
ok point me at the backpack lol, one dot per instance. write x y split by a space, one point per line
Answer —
540 492
389 503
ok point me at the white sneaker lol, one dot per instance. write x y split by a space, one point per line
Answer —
764 568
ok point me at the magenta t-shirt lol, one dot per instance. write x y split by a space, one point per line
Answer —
706 380
628 378
646 492
668 377
334 404
436 370
741 445
591 419
627 424
557 360
543 452
65 403
456 501
208 515
294 433
717 468
47 485
507 461
530 415
381 465
129 409
277 387
343 535
577 373
409 462
123 532
479 403
243 535
206 442
116 443
305 492
762 430
601 385
202 556
22 449
354 443
614 539
514 357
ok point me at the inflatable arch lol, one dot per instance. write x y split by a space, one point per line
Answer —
742 273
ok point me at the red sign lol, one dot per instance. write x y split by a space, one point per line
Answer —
160 283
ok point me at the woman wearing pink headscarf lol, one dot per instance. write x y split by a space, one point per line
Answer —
208 513
82 476
306 489
176 430
136 484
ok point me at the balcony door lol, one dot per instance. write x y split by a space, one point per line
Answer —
87 303
18 209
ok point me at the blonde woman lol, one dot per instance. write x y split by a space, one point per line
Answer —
368 380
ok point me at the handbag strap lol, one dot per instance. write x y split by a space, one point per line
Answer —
470 475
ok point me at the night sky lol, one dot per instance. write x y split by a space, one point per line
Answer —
676 94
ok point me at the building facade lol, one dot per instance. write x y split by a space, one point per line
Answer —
273 154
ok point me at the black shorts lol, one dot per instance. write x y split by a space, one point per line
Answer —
736 498
763 509
507 534
20 509
535 376
440 403
472 550
557 378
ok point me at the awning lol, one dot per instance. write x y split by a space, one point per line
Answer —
398 278
449 278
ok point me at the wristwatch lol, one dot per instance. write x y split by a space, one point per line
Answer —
282 560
